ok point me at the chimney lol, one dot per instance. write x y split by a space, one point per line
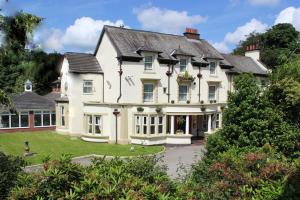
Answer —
253 51
191 33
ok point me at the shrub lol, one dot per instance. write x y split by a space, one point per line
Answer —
10 168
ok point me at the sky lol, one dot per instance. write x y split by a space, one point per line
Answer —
75 25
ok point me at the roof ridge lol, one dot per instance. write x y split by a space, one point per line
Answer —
144 31
69 52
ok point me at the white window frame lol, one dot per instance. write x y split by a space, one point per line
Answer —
19 118
213 72
215 95
88 87
217 120
41 113
144 123
181 93
94 123
62 116
148 65
183 67
144 92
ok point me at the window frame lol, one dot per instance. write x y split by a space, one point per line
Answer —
41 113
145 124
181 65
217 120
91 122
146 92
181 93
62 119
9 115
215 68
148 63
215 92
90 87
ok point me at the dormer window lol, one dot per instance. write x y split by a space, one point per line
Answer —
182 65
148 63
212 68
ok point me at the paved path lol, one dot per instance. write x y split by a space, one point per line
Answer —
174 157
177 157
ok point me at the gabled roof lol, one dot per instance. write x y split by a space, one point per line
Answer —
52 96
127 41
244 64
32 101
83 63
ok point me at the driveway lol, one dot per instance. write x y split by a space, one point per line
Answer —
178 159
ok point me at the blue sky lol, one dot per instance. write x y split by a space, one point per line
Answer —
75 25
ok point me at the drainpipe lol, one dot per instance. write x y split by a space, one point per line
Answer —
120 75
169 73
199 75
116 113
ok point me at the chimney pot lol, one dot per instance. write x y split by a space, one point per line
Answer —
191 33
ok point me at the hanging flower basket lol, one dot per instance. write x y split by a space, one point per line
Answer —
158 109
140 109
185 77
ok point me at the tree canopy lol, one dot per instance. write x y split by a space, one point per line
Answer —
277 44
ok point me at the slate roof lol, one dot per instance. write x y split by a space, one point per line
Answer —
127 41
83 63
52 96
32 101
244 64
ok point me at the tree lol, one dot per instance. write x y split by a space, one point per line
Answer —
252 120
276 44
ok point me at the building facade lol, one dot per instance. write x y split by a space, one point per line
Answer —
148 88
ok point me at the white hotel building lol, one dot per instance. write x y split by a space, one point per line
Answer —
148 88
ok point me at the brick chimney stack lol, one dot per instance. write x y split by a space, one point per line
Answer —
191 33
253 51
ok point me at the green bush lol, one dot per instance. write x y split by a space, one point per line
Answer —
10 167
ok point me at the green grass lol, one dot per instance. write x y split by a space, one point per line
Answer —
44 144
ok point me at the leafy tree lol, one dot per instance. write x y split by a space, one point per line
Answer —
252 120
276 44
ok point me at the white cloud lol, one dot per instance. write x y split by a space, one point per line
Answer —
240 34
289 15
82 35
167 21
221 47
264 2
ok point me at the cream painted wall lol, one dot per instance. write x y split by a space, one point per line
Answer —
134 75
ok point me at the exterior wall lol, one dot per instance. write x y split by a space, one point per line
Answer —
30 128
59 126
134 76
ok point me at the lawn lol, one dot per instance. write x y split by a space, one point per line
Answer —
44 144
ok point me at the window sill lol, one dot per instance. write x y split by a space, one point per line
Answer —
44 126
141 136
88 93
149 72
13 128
92 135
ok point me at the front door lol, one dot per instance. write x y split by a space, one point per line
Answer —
195 126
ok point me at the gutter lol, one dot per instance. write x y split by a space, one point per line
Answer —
169 73
120 81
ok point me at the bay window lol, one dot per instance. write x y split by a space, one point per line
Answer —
94 124
148 124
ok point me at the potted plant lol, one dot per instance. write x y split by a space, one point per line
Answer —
188 101
215 101
172 101
158 109
211 101
222 108
203 108
180 122
140 109
201 102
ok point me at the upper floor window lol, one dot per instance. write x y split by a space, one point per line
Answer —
148 92
212 68
182 65
183 92
148 63
87 87
212 92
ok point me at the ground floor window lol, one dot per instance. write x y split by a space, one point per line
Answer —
9 120
62 116
152 124
94 124
44 118
204 122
